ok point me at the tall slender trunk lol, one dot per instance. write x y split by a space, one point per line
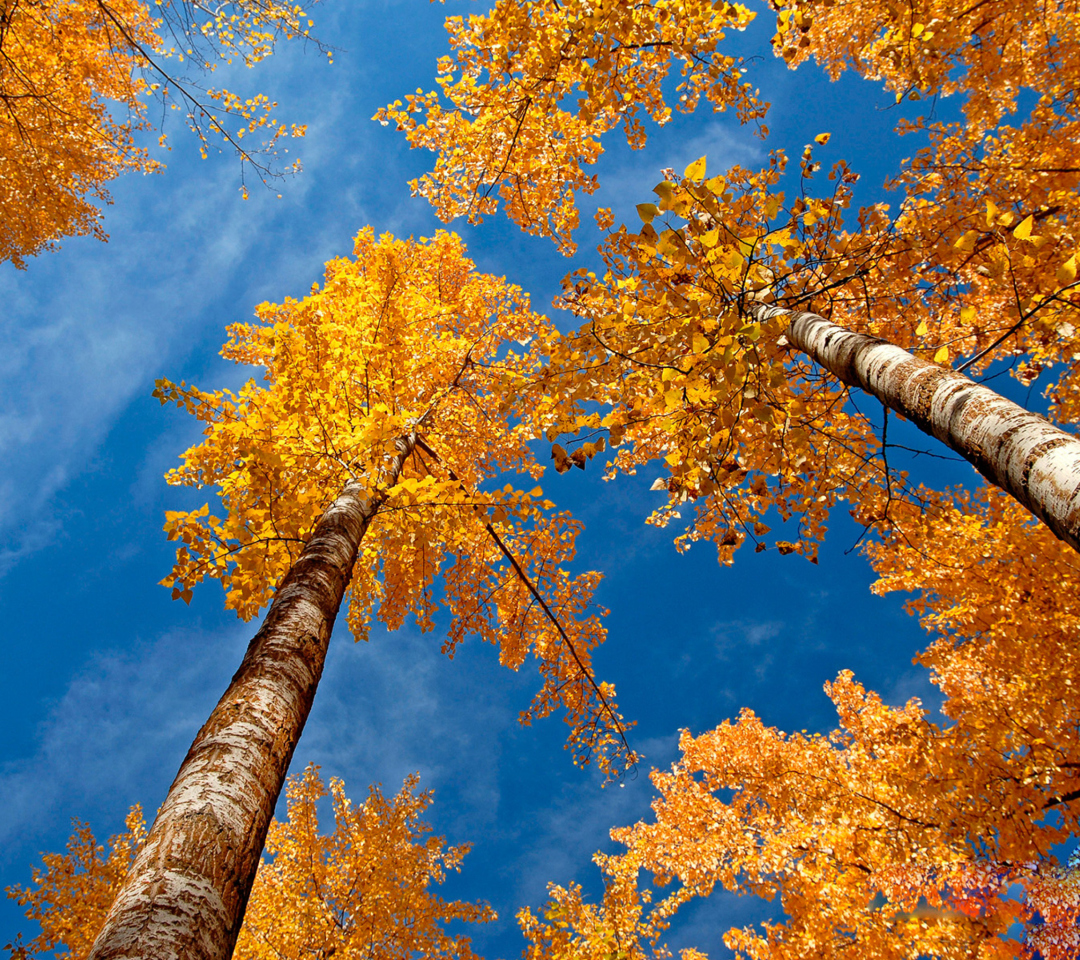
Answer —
187 891
1021 452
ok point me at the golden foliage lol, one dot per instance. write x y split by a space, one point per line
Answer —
986 238
75 78
508 118
60 142
403 339
71 895
977 260
362 891
688 380
1000 592
894 835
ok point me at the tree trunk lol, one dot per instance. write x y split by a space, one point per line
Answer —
1021 452
187 891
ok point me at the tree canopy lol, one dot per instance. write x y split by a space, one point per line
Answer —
404 337
77 82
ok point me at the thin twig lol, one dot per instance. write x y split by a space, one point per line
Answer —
523 576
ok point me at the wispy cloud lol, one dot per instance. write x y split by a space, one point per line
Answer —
748 641
115 737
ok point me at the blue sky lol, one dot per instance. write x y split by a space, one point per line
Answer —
107 680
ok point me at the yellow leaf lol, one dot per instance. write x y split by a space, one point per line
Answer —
942 355
696 170
967 241
822 138
647 211
716 186
1066 273
1023 228
664 190
921 329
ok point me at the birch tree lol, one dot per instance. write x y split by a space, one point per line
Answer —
355 474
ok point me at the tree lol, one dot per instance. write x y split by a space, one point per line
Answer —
978 254
892 836
696 372
71 895
363 890
356 473
509 86
75 80
1023 453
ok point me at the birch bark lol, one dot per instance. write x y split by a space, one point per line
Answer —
1019 451
187 891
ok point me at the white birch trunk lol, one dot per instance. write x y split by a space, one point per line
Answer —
1019 451
187 890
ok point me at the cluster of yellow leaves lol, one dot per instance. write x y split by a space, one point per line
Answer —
534 85
621 927
404 339
687 379
246 31
75 76
990 227
1000 591
892 837
363 891
72 893
64 77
